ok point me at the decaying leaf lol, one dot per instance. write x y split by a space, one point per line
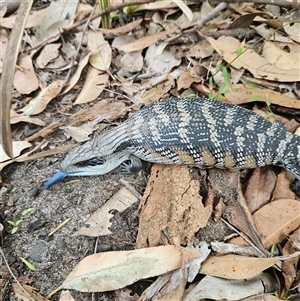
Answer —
99 222
18 146
25 80
215 288
113 270
39 103
276 220
228 47
236 266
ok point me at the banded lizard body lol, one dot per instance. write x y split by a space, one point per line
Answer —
188 131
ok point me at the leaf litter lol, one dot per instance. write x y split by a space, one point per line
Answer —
116 71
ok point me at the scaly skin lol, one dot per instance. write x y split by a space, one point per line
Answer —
188 131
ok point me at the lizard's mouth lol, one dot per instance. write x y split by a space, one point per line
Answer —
91 162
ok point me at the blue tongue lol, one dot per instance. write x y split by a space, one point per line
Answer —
57 177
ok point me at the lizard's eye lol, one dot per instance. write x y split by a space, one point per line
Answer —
92 162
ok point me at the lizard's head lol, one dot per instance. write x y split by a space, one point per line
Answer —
88 160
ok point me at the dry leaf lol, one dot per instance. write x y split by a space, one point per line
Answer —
228 47
39 103
145 42
94 84
25 80
99 222
18 146
48 54
66 296
235 266
33 20
276 220
214 288
3 43
44 132
58 15
27 293
113 270
15 118
282 189
171 201
77 74
105 109
241 94
280 58
260 187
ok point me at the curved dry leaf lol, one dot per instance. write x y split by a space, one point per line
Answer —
15 118
102 59
39 103
228 47
99 222
241 94
33 20
292 29
113 270
281 59
77 74
214 288
122 29
94 84
48 54
144 42
18 146
25 80
235 266
276 220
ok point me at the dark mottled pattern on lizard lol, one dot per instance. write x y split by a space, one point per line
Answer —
189 131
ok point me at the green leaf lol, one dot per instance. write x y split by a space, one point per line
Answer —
28 264
268 101
18 222
240 51
268 115
218 67
12 223
222 88
254 98
226 74
14 230
27 211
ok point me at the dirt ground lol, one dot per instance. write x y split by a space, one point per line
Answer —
55 256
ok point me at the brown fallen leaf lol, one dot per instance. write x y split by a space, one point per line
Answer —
94 84
114 270
26 292
276 220
99 222
145 42
15 118
241 94
289 266
106 109
260 187
44 132
18 146
66 296
40 102
33 20
282 189
239 216
171 202
228 48
235 266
